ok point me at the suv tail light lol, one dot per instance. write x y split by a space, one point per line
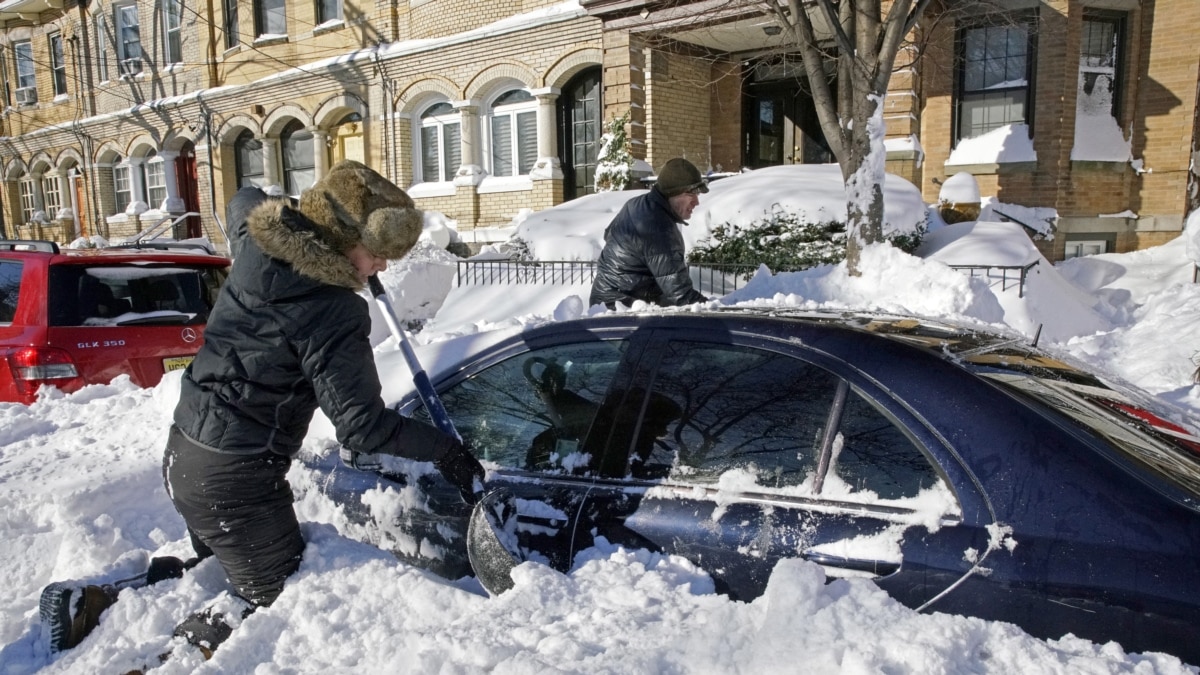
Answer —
35 366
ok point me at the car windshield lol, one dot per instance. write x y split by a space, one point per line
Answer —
1143 436
116 295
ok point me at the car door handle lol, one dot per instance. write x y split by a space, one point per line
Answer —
880 568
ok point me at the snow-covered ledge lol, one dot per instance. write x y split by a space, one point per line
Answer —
505 184
436 189
1008 148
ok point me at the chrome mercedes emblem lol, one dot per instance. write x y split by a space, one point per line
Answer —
188 335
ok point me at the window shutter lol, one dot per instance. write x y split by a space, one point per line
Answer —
502 155
452 149
526 141
429 154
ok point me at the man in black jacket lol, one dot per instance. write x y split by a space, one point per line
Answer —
643 256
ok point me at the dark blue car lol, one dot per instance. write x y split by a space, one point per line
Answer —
964 472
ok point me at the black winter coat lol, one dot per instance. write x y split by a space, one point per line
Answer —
643 256
288 333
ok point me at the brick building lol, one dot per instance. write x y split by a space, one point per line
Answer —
120 114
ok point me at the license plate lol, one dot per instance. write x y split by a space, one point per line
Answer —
176 363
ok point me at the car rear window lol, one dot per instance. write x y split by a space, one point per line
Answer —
1142 435
10 287
119 295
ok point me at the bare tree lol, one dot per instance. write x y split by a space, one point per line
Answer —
864 39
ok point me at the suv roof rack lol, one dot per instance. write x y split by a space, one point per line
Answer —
166 246
28 245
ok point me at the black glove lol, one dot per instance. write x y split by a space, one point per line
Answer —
463 471
452 459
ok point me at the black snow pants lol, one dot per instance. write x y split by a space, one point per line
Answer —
238 507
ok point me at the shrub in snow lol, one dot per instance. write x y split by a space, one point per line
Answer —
518 249
614 166
784 242
958 201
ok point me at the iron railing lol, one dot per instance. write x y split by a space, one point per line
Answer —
708 279
711 280
1006 275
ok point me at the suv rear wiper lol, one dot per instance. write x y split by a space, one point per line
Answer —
174 318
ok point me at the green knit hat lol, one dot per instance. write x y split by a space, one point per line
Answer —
679 176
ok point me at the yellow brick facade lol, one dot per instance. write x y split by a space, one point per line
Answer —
359 86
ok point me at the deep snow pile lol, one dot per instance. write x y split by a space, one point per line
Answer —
82 497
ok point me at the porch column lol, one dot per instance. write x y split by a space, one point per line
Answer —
471 172
320 143
173 203
547 166
270 148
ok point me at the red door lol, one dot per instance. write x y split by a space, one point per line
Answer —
189 188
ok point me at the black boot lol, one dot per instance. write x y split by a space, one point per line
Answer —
71 609
208 628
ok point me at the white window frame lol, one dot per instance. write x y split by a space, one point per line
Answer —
172 32
58 65
513 113
26 72
1083 247
154 171
28 190
329 11
442 125
270 17
297 177
122 186
129 39
51 195
102 47
245 179
231 26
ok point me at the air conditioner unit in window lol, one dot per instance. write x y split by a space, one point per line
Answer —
26 95
131 66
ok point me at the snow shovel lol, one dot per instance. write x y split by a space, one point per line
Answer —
492 531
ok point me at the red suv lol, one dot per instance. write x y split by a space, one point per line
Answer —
75 317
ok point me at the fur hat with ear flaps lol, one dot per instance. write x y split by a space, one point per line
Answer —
352 204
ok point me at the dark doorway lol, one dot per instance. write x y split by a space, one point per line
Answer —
189 189
780 124
579 129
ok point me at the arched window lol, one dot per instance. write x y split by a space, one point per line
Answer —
248 160
440 143
513 125
299 165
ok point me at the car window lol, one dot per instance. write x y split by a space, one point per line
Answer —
872 454
10 287
740 408
127 294
533 411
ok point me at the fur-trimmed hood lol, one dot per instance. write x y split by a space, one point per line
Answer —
285 234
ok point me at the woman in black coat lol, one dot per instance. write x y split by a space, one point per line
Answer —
289 333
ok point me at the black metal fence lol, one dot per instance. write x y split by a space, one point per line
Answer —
712 280
708 279
1005 275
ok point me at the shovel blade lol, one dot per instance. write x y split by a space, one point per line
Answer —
492 540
